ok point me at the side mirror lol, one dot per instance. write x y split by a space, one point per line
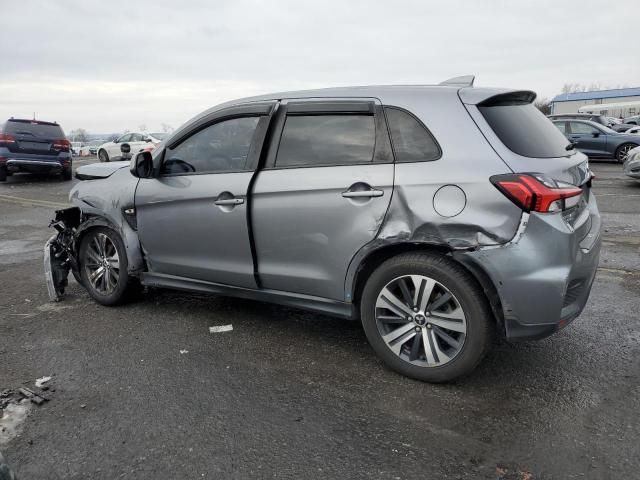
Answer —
595 134
147 139
142 165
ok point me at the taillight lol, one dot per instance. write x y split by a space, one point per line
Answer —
61 145
5 138
534 192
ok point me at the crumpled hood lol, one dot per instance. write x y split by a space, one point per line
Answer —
99 170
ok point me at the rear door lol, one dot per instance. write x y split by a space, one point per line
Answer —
192 219
322 195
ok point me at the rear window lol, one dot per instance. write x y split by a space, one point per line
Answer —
41 130
326 140
412 142
525 130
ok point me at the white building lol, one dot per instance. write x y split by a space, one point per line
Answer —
620 102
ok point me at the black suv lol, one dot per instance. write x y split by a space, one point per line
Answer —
34 146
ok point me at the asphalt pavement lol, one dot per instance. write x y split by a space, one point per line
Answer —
146 391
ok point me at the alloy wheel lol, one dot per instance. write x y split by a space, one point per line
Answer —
103 156
623 152
420 320
102 264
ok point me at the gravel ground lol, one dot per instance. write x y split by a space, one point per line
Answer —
145 391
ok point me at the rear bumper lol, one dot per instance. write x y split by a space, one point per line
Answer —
15 165
544 277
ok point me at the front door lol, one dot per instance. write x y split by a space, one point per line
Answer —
588 139
322 195
192 219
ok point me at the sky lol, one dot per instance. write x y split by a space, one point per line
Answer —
107 66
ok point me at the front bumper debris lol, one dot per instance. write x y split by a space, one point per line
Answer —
60 252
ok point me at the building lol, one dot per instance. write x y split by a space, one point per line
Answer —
620 102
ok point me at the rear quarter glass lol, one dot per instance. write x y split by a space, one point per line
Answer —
40 130
524 130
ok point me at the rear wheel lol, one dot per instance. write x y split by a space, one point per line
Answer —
67 173
426 317
103 156
3 174
103 266
623 150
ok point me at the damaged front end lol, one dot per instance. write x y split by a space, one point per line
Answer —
60 256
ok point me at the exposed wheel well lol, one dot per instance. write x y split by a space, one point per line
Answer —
377 257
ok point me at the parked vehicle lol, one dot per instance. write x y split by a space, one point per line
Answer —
634 120
34 146
631 166
593 117
597 141
414 209
633 130
110 151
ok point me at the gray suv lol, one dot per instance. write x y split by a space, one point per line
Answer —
437 215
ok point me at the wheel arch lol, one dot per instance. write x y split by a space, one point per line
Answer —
135 259
376 257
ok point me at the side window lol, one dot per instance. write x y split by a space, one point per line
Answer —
136 137
412 142
221 147
578 128
562 126
125 138
314 140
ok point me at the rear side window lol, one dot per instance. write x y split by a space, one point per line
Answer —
525 130
40 130
412 142
562 126
316 140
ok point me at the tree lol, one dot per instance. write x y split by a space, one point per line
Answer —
142 127
544 105
166 128
79 135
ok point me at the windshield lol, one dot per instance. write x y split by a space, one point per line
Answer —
525 130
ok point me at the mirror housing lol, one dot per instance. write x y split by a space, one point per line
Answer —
142 165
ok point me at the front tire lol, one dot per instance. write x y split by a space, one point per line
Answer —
426 317
103 156
623 151
103 266
67 173
3 174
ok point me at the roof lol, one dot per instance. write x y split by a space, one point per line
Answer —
596 94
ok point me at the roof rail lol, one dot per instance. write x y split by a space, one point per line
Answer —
463 81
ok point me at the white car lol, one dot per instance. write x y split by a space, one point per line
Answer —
137 141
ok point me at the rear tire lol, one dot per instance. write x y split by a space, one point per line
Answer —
67 173
452 318
3 174
623 150
103 267
103 156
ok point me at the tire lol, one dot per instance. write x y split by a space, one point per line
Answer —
114 285
623 150
67 173
103 156
455 300
3 174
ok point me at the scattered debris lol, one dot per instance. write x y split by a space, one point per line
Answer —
41 381
37 398
221 328
182 352
83 405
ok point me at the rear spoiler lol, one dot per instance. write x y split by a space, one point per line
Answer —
487 97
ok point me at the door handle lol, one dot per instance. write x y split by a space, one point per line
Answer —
230 201
362 193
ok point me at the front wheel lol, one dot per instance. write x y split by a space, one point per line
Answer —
623 150
426 317
103 156
103 266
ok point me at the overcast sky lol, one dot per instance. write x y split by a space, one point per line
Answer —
109 65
